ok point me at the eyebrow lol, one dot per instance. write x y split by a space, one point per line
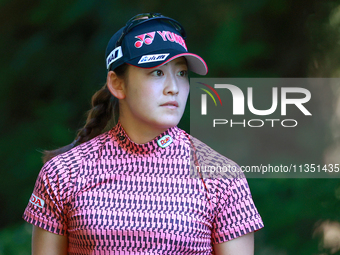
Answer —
181 62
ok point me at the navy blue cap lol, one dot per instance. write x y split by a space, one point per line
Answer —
151 44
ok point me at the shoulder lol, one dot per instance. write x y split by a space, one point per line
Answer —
211 163
71 160
221 175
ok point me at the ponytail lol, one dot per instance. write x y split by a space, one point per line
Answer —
102 116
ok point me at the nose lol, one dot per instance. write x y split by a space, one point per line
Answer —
171 86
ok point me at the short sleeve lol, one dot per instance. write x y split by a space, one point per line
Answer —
46 207
236 212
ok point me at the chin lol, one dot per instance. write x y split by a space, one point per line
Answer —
168 124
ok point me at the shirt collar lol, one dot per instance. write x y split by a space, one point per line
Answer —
125 142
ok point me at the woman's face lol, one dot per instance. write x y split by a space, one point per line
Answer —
155 98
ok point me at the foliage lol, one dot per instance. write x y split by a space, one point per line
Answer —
52 61
16 240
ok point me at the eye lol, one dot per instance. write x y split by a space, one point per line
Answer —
157 73
183 73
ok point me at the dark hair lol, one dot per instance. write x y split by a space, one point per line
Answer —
102 116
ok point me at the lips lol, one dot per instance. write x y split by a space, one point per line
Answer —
170 103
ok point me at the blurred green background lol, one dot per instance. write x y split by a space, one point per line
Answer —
52 61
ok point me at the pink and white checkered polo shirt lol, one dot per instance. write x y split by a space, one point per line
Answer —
112 196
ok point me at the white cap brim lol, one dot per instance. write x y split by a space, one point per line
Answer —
195 63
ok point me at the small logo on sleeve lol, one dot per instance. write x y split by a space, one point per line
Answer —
152 58
37 201
165 141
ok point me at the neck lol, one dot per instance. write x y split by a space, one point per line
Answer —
140 134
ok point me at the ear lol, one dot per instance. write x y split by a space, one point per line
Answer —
115 85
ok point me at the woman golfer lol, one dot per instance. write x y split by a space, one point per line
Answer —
129 190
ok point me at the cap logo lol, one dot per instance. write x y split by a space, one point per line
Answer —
165 35
165 141
172 37
153 58
37 201
144 39
117 53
